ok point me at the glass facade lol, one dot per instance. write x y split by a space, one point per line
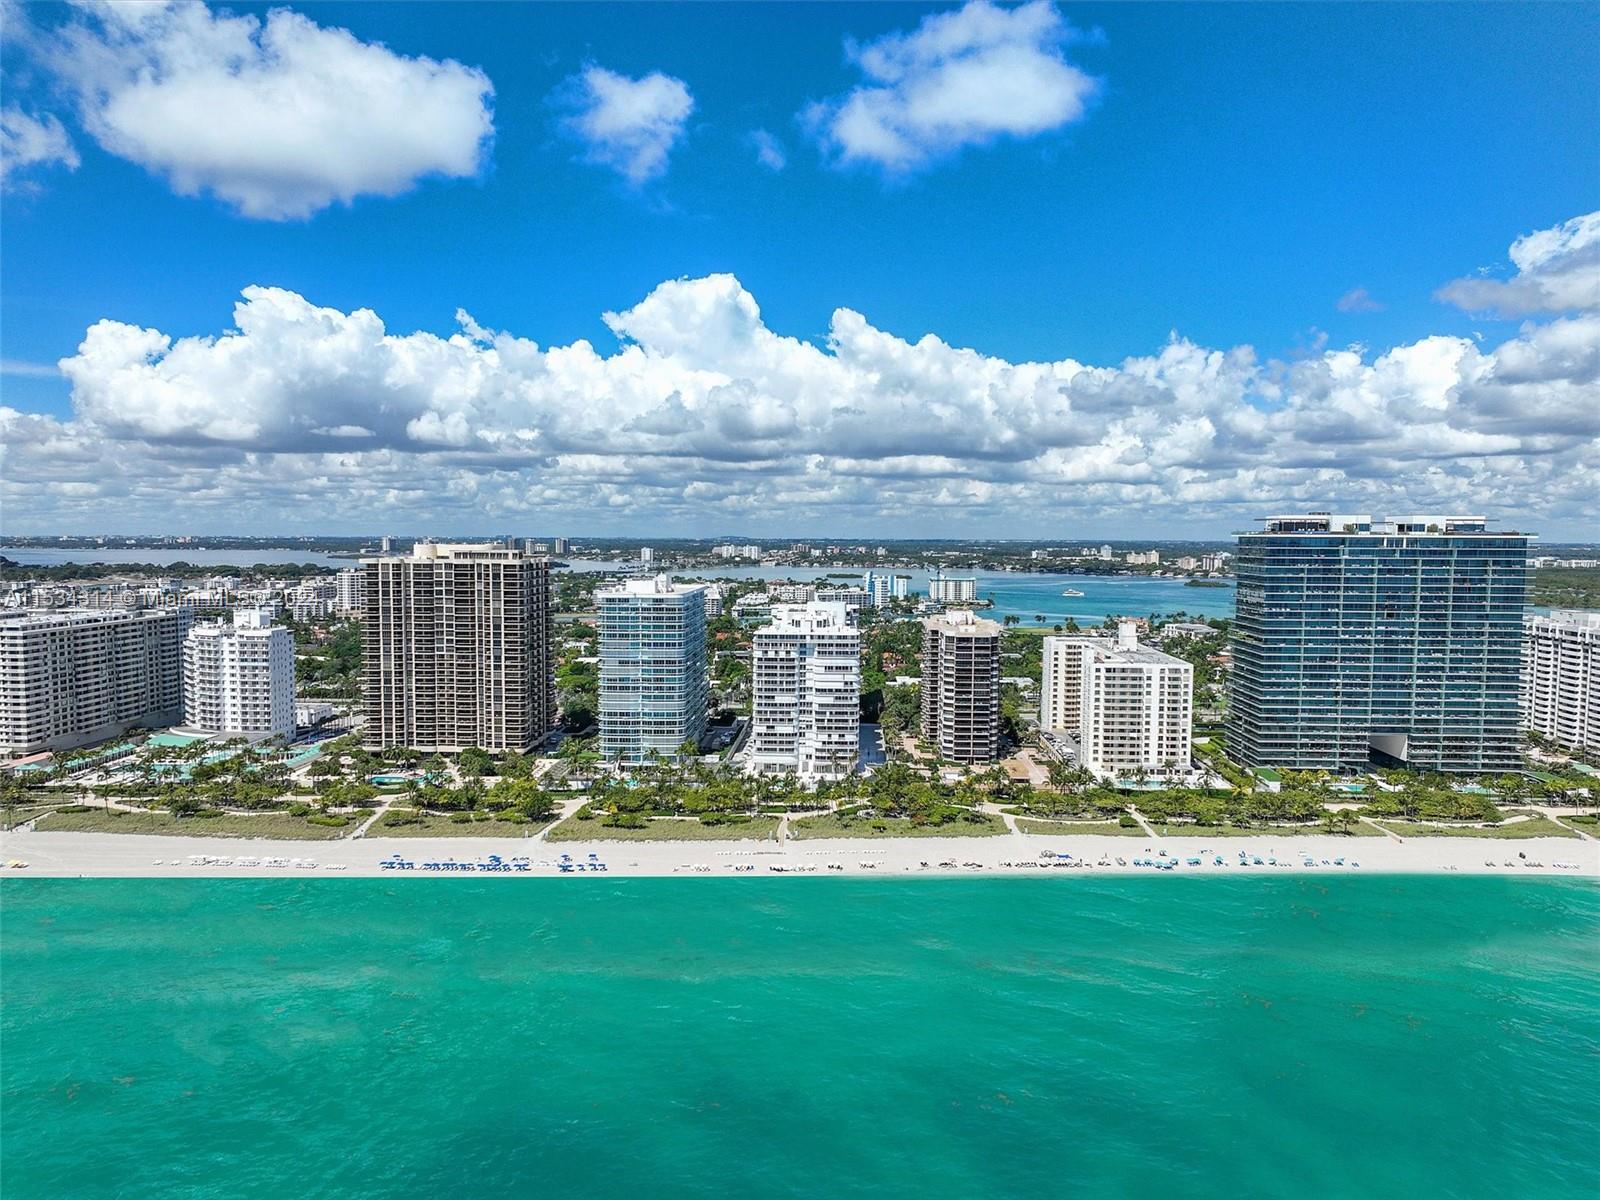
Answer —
1361 643
653 690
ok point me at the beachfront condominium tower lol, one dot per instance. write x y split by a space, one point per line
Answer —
239 677
806 677
455 649
961 686
1128 708
1394 643
72 677
653 689
1561 678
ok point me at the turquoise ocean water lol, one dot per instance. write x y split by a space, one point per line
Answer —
1370 1037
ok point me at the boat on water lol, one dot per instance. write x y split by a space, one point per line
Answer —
1072 592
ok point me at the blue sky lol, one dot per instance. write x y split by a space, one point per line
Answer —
1226 173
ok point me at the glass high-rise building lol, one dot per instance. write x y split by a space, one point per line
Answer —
1361 643
653 690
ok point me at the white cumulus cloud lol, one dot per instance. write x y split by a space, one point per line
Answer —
1558 270
280 117
705 416
962 78
29 141
629 125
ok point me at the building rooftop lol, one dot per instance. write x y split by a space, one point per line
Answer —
1573 618
817 617
1454 524
35 617
655 585
1123 647
459 552
963 623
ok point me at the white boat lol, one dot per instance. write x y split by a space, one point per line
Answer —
1072 592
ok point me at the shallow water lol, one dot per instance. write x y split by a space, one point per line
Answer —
1339 1037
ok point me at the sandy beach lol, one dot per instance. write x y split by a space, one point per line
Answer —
110 854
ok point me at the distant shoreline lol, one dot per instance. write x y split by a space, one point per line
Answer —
112 855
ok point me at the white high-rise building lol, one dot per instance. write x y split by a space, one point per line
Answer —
806 673
646 554
1561 678
350 590
899 586
69 677
653 687
950 589
877 587
1129 708
456 649
239 678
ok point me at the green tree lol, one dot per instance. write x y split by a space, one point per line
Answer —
475 762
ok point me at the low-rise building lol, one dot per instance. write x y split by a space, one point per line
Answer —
754 608
853 599
310 713
1173 630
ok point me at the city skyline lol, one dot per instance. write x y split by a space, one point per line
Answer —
630 283
501 500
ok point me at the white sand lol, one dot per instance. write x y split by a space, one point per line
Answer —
112 854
